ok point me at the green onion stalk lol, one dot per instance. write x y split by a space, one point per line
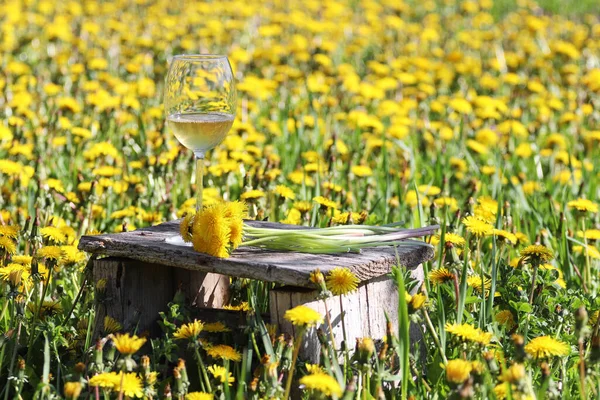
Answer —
338 239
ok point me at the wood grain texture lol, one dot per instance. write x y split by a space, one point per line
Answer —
364 314
290 268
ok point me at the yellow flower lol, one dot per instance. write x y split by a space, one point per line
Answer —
126 344
215 327
185 228
50 252
505 235
104 380
111 325
199 396
221 374
211 231
417 301
583 205
284 192
189 331
513 374
362 171
321 383
303 206
341 281
475 282
224 352
458 371
130 384
252 194
8 245
477 226
303 316
325 203
589 234
72 390
11 231
450 238
506 318
469 333
536 253
236 211
546 347
440 275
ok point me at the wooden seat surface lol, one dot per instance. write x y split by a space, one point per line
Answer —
289 268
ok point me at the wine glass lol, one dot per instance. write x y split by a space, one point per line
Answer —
200 104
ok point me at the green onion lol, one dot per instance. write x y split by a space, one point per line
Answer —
338 239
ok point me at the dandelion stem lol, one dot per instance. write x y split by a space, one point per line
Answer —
533 278
297 343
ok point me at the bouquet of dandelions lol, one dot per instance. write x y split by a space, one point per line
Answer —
219 228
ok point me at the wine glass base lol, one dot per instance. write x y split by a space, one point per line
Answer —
177 240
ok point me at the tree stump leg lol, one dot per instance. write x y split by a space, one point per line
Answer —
204 290
364 313
135 292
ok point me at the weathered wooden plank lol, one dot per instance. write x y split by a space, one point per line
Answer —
364 313
134 294
148 244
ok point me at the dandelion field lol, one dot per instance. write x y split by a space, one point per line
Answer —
358 112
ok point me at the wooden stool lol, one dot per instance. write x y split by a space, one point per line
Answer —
143 272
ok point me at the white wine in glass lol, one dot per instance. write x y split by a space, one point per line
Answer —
200 104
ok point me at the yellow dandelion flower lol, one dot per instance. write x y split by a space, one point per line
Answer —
303 316
72 255
11 231
53 233
215 327
199 396
589 251
513 374
506 236
417 301
458 371
243 306
130 384
341 281
501 390
440 275
321 383
546 347
72 390
22 259
252 194
303 206
325 203
8 245
185 228
127 344
189 331
50 252
284 192
104 380
450 238
224 352
474 281
314 368
469 333
477 226
506 318
220 373
583 205
590 234
536 253
211 231
111 325
317 277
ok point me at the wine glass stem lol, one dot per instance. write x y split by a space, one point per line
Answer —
199 181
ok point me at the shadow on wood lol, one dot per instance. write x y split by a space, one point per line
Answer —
135 292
